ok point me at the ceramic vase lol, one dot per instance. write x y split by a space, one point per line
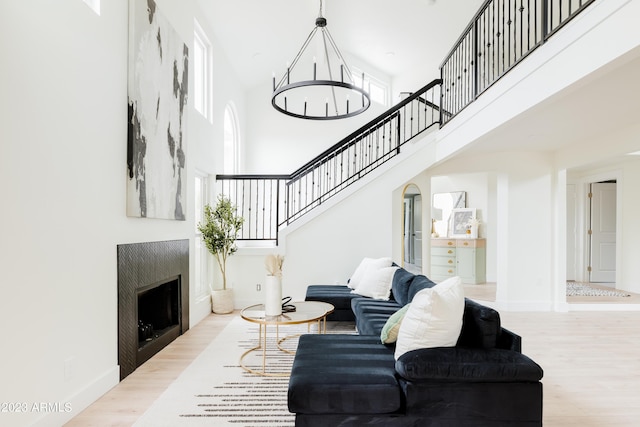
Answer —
273 296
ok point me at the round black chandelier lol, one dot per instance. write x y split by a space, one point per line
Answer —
332 93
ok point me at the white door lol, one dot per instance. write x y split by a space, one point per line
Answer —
603 232
417 230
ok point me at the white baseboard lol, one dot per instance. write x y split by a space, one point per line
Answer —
562 307
603 307
522 305
199 310
81 400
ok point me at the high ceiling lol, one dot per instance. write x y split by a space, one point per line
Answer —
405 39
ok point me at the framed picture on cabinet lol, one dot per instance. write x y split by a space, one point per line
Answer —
461 221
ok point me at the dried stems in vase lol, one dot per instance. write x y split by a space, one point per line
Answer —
273 263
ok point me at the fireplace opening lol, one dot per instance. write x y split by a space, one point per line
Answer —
158 310
158 307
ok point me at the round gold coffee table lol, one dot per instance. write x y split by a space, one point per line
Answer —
306 312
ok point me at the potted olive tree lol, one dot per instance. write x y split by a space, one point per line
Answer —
219 229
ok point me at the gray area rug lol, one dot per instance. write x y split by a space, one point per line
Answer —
215 391
580 289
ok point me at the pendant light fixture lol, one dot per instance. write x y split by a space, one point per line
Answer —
329 91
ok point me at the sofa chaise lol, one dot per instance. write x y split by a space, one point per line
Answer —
356 380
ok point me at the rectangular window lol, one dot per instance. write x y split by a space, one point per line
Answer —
378 91
201 71
202 258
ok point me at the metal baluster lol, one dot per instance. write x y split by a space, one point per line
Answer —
371 160
241 205
470 73
458 81
528 25
503 30
262 184
492 40
299 194
255 206
551 26
521 27
485 46
277 219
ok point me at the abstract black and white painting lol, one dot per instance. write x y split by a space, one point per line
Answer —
157 92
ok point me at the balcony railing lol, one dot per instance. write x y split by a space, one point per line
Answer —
500 35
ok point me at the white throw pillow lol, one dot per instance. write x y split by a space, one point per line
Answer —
376 283
366 264
434 318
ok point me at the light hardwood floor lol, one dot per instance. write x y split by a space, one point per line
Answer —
591 362
127 401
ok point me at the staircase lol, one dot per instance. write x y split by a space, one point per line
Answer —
499 37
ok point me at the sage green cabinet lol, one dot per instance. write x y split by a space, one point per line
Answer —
465 258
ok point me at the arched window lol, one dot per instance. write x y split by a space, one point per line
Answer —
231 141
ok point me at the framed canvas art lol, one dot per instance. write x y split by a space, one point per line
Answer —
157 96
461 221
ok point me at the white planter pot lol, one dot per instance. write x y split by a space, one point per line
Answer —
222 301
273 296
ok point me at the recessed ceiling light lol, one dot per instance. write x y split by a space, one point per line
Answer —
634 153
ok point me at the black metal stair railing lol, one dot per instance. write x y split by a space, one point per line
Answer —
268 202
501 34
258 199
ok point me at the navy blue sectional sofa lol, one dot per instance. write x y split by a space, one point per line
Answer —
354 380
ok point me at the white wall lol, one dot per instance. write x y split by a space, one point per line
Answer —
629 275
525 236
63 171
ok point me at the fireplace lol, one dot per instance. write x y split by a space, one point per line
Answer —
153 299
158 317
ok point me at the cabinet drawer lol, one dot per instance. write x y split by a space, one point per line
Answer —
444 251
443 261
443 243
470 243
443 271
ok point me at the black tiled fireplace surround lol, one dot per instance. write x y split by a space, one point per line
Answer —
139 266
